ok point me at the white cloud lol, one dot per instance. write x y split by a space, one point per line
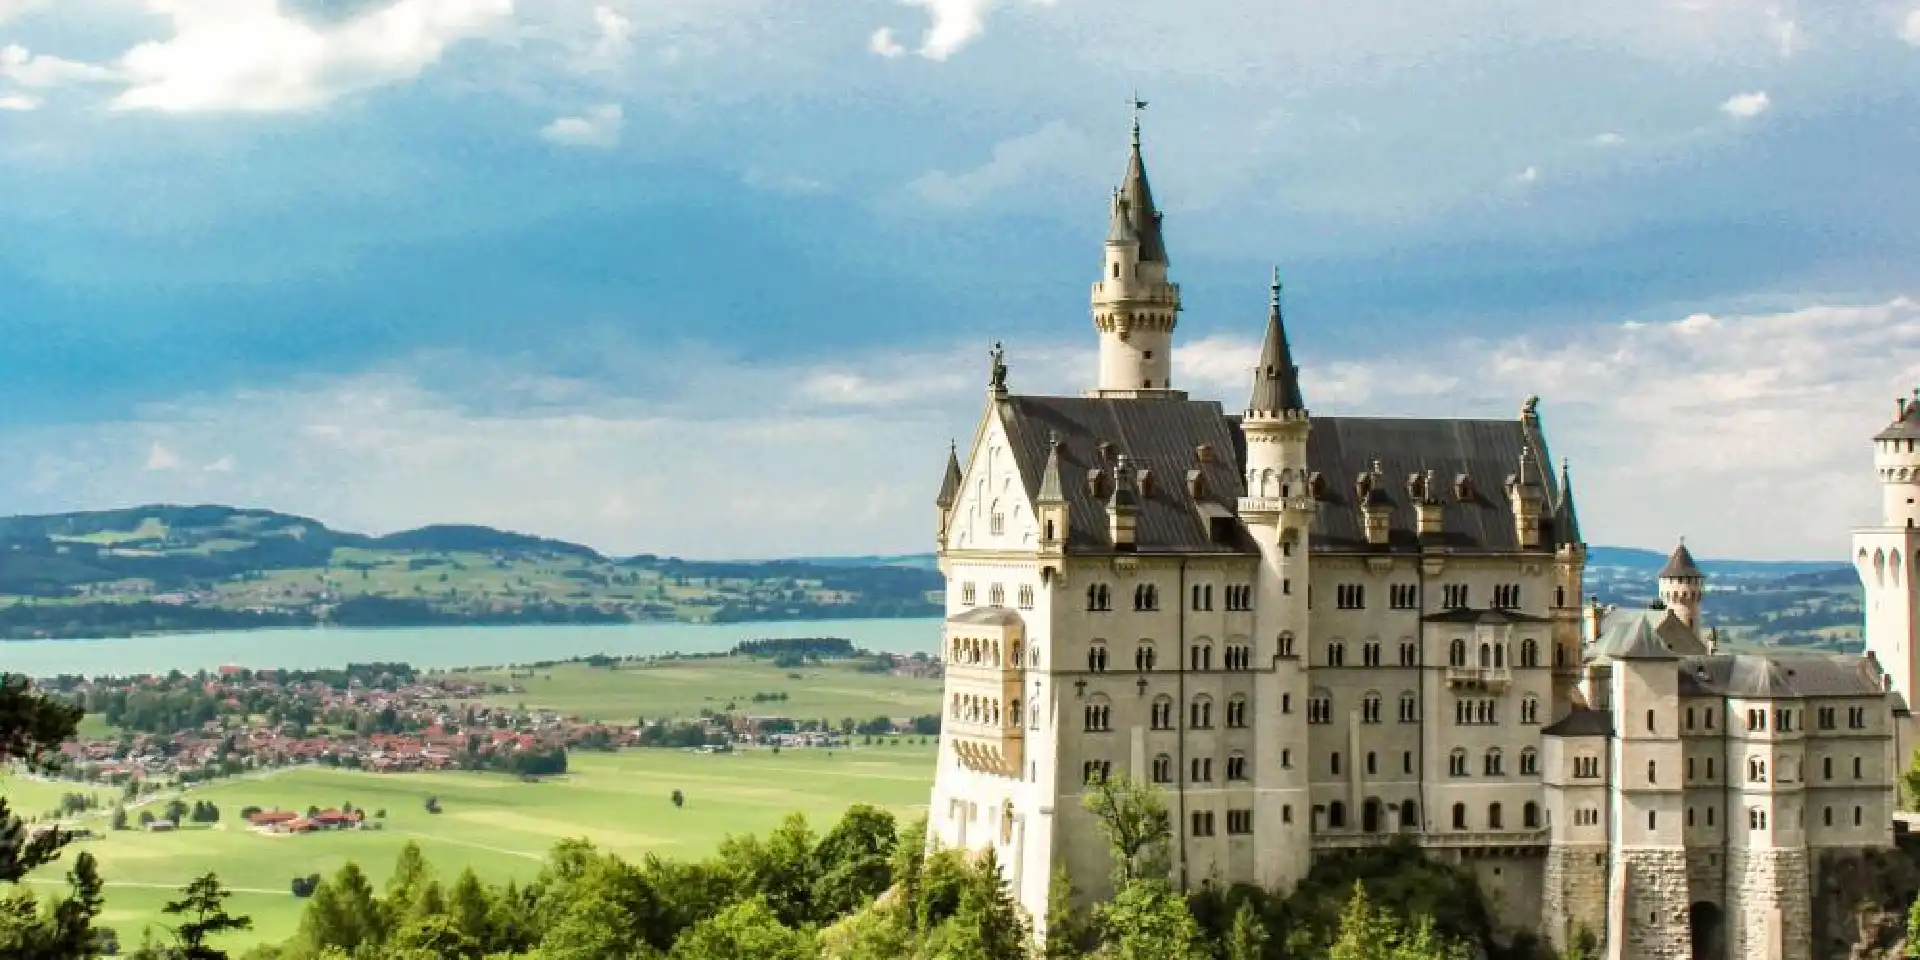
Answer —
1053 153
1785 32
12 9
1608 139
1530 175
883 43
249 55
599 127
616 35
1910 28
1696 425
19 102
775 182
1744 105
41 71
161 457
222 465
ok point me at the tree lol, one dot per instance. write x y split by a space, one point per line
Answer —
1248 937
432 936
1068 936
342 913
470 907
119 820
1913 929
32 727
854 861
679 799
406 884
1148 920
433 804
746 929
204 906
991 925
1364 933
1133 817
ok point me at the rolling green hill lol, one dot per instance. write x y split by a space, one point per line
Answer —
163 567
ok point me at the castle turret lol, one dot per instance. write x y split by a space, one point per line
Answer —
1884 555
1135 307
1529 500
1683 586
1050 505
949 491
1278 510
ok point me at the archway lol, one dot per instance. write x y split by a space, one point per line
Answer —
1705 922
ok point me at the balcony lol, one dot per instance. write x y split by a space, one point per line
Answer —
987 749
1451 840
1495 679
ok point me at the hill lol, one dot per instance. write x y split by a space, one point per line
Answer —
168 567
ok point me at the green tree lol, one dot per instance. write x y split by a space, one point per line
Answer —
1364 933
1132 815
1149 920
411 874
32 727
989 922
1248 937
679 799
204 909
1910 782
1913 929
436 936
342 913
909 865
780 868
1068 933
854 862
749 928
470 907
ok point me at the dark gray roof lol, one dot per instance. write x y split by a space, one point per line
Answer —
987 616
1907 427
1142 215
1582 722
1160 436
1647 634
1487 451
1680 565
1276 382
1051 488
1566 517
1488 616
950 484
1785 675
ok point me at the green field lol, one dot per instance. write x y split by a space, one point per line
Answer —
682 688
499 825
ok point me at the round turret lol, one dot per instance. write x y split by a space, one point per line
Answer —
1683 586
1896 455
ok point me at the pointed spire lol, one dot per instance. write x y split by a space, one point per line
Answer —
1051 490
1569 517
1680 565
1276 382
1142 215
950 486
1120 227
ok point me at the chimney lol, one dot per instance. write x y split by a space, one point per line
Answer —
1123 506
1426 507
1376 508
1528 500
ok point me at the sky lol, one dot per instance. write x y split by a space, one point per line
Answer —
717 278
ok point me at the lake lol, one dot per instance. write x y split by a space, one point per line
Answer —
434 646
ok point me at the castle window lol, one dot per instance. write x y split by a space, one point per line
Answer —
1756 770
1333 763
1286 644
1240 597
1457 763
1494 820
1652 771
1097 657
1709 816
1403 596
1493 763
1336 654
1586 768
1350 596
1559 596
1202 596
1370 654
1098 717
1237 767
1689 769
1162 713
1857 718
1099 599
1506 596
1652 819
1459 816
966 594
1857 815
1530 710
1825 718
1409 815
996 523
1162 769
1143 658
1529 653
1826 816
1856 768
1783 720
1373 765
1026 597
1286 759
1370 708
996 596
1689 816
1457 653
1203 823
1689 718
1200 657
1286 813
1707 719
1409 708
1406 761
1529 761
1756 720
1095 771
1239 658
1286 703
1454 596
1236 711
1201 770
1146 597
1320 708
1240 821
1409 653
1336 815
1709 768
1200 713
1756 818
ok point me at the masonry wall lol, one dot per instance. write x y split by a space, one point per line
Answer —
1655 907
1574 892
1770 908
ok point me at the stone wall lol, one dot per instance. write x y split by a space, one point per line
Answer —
1860 899
1769 913
1574 895
1656 907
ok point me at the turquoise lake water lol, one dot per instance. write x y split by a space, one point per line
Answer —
434 646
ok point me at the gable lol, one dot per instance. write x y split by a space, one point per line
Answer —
992 486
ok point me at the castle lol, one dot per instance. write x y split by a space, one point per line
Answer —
1316 634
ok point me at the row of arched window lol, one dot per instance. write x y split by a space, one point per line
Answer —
1235 657
1492 763
984 710
977 652
1492 656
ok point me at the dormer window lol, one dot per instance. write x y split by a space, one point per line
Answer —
1463 487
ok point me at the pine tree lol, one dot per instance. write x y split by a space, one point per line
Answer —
204 906
1248 936
470 906
1364 933
1067 933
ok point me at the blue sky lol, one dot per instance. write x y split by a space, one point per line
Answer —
716 277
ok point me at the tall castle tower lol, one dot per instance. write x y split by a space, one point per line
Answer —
1682 586
1278 510
1135 307
1884 555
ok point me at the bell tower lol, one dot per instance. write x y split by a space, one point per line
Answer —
1135 307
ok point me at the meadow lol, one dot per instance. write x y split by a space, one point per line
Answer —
682 688
499 825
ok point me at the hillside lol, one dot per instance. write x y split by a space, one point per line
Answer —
163 567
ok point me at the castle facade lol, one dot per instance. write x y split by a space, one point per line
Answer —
1318 633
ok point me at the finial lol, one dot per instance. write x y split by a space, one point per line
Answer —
1138 105
997 372
1276 287
1530 408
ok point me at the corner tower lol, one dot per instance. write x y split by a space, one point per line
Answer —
1683 586
1278 510
1883 555
1135 307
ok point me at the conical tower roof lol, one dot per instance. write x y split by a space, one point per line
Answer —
950 484
1680 565
1276 383
1142 215
1569 517
1051 489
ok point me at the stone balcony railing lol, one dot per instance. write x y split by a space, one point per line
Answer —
1491 678
1323 840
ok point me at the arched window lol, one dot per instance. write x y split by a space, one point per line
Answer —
1457 762
1457 653
1370 707
1486 655
1099 716
1529 653
1493 817
1286 644
1530 710
1459 816
1530 815
1162 769
1409 708
1237 711
1529 761
1143 658
1162 714
1494 762
1013 713
1336 815
1409 815
1145 597
1200 713
1097 657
